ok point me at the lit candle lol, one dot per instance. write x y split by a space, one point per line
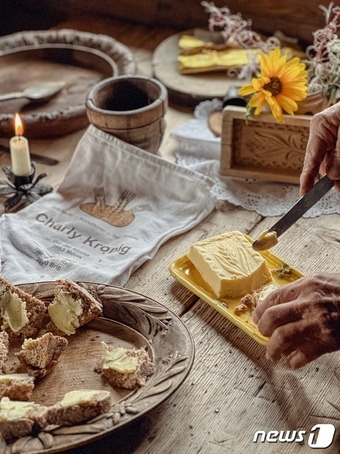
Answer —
20 154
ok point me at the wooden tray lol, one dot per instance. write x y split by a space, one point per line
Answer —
80 59
188 89
130 320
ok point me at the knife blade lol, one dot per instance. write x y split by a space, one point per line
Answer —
268 238
35 157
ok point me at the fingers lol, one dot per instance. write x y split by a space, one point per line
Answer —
279 315
333 161
281 295
301 319
299 358
323 142
287 335
315 154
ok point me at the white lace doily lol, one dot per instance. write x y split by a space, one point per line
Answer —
199 150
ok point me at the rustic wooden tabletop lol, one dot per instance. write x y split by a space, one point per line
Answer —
232 390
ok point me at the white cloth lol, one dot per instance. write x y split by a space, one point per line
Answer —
115 207
199 150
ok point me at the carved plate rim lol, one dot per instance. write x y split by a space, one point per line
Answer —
117 55
173 361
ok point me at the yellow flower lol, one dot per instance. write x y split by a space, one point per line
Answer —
280 84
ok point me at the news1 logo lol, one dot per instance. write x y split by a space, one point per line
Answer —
320 436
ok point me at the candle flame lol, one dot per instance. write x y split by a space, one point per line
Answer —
18 125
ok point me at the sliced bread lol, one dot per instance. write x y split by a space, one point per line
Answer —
18 419
78 406
72 307
39 356
126 368
3 351
16 386
21 314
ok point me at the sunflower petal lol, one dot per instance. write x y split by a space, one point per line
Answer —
276 111
257 101
246 90
287 104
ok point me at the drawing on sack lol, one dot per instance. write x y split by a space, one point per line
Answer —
115 214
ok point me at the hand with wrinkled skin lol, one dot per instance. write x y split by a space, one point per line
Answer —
302 319
323 149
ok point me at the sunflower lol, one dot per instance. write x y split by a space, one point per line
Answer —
280 84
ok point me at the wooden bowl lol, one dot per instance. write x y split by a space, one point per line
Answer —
130 107
80 59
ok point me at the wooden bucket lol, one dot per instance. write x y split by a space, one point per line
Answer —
131 108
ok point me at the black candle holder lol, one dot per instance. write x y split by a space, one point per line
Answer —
18 187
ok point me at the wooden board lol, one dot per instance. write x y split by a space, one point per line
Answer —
77 58
232 390
188 89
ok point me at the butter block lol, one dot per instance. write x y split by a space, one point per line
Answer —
229 265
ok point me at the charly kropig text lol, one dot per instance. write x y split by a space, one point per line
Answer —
73 234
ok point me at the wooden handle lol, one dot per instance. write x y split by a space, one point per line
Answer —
12 95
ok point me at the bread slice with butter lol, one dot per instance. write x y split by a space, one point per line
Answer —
78 406
229 265
18 419
126 368
39 356
73 306
21 314
16 386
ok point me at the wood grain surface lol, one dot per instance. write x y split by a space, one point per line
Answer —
232 390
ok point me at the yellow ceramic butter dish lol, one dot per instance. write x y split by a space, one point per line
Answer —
235 309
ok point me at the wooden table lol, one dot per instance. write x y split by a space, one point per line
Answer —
232 390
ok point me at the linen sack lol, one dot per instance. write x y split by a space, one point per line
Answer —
116 206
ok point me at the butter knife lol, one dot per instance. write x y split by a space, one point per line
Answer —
35 157
268 238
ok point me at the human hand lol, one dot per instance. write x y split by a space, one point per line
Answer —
302 319
323 149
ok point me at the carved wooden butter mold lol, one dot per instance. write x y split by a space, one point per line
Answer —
261 148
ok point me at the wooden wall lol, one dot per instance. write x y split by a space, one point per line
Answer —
297 18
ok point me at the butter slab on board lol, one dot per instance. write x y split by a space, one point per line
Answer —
185 272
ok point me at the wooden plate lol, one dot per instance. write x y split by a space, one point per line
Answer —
80 59
129 320
188 89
